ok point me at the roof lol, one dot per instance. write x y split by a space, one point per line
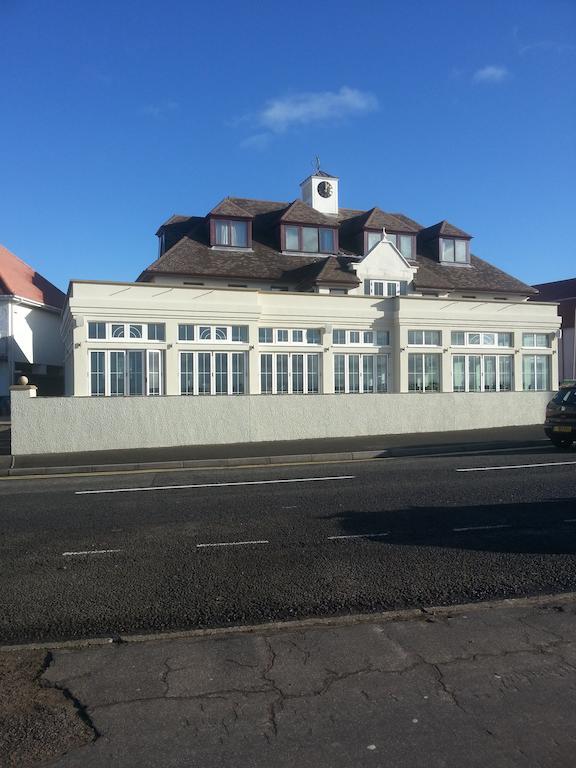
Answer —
188 252
229 208
557 291
19 279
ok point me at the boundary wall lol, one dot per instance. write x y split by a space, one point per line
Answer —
71 424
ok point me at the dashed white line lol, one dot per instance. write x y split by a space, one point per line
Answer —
217 485
233 543
479 528
517 466
91 552
359 536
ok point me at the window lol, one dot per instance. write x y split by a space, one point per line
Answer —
454 250
283 373
282 335
536 372
313 336
117 331
424 372
265 335
126 372
386 287
404 243
480 339
425 338
221 334
231 233
96 330
536 340
372 240
373 338
355 373
213 373
339 291
289 336
135 331
97 373
297 337
185 333
156 332
205 333
240 333
309 239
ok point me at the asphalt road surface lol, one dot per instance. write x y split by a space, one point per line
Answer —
131 553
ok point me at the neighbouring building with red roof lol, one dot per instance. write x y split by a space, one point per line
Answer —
564 292
307 297
30 339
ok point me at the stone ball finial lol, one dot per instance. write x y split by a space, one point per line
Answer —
23 380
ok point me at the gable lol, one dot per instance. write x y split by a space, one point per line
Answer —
384 262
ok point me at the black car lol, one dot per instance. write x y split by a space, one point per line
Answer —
560 424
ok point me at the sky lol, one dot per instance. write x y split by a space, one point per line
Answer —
118 113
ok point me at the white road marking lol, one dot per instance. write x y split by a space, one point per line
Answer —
517 466
570 520
91 552
358 536
480 528
233 543
218 485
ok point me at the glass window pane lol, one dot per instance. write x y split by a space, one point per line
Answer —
504 339
473 339
298 374
391 289
447 250
458 338
265 335
204 371
528 339
222 233
313 374
382 338
377 288
432 373
542 340
240 333
185 333
135 372
542 372
154 362
238 373
117 373
96 330
117 330
266 374
368 373
505 368
415 373
313 336
354 373
291 235
489 339
297 336
381 373
368 337
310 239
135 331
186 373
354 337
490 373
339 336
221 372
415 337
372 240
460 253
406 246
391 238
205 332
474 373
282 335
239 233
326 240
339 374
281 374
459 373
403 287
221 333
156 331
432 338
97 374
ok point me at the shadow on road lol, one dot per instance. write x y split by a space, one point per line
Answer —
538 527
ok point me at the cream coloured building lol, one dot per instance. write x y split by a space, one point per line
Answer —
268 298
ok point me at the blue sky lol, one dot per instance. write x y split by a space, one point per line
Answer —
118 113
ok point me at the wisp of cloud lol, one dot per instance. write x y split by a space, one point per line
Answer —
490 74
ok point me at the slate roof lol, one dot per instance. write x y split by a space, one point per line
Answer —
188 251
20 279
560 290
229 208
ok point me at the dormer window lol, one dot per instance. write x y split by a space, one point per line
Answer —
309 239
404 243
230 233
372 239
453 250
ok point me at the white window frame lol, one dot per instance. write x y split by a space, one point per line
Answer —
425 343
385 288
290 342
360 355
534 335
147 355
424 355
290 371
535 388
482 340
126 337
483 372
230 372
348 343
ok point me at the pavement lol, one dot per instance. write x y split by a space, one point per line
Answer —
478 685
235 454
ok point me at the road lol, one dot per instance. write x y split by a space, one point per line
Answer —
87 556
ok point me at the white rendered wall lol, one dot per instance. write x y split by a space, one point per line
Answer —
61 425
36 334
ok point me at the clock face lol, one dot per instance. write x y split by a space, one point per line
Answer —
324 189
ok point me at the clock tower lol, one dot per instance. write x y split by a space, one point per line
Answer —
321 192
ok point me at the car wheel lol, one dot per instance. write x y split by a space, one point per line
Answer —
562 442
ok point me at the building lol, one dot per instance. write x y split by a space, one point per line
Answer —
260 297
30 340
564 292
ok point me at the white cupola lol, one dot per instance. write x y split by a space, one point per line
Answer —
320 191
